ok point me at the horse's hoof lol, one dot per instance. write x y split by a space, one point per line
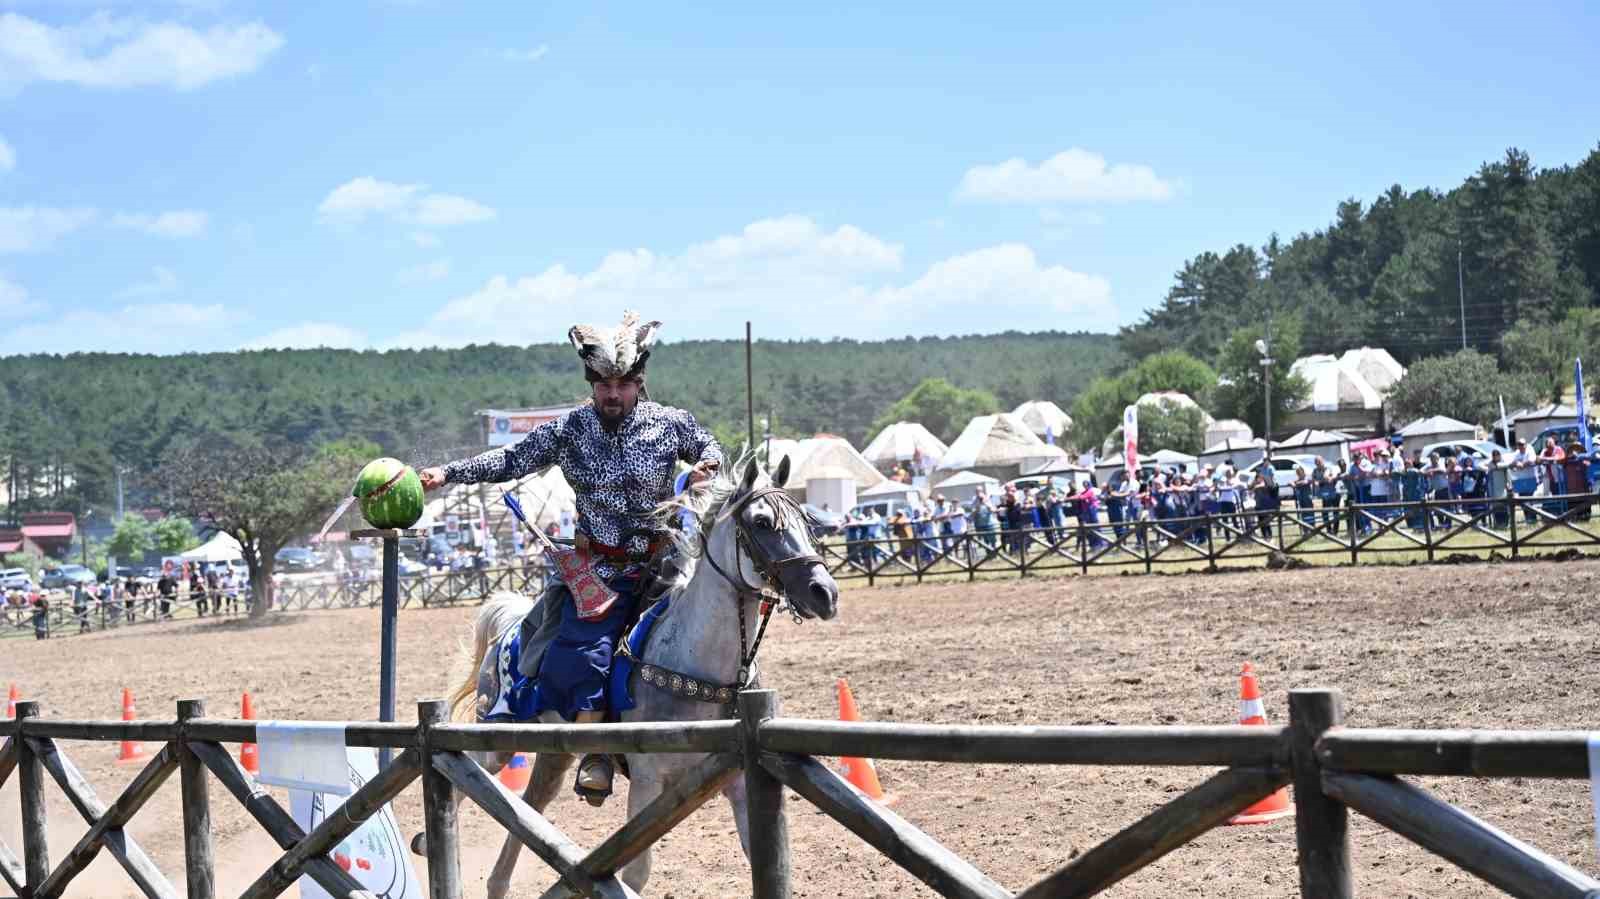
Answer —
419 843
594 800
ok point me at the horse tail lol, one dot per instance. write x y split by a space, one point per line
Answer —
503 609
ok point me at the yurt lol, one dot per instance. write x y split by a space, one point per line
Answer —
964 485
831 487
902 442
1228 429
997 445
1045 419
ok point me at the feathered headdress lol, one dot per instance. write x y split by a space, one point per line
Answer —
618 352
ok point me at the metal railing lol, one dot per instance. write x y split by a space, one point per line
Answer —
1333 769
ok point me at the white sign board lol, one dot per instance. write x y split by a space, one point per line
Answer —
376 855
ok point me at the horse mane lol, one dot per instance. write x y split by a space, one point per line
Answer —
705 501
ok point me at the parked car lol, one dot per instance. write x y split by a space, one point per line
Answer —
65 577
1481 450
823 522
1283 469
886 508
297 560
15 579
1565 436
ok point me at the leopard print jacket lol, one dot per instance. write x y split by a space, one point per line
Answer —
618 477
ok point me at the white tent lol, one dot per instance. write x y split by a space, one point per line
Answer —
994 442
1375 365
901 442
1228 428
1242 452
220 548
1335 385
832 488
1044 418
1330 445
822 457
1167 457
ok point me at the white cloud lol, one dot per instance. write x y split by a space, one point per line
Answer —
8 156
424 239
1073 175
177 223
162 281
798 278
353 201
533 55
309 335
436 270
135 328
14 302
104 51
28 228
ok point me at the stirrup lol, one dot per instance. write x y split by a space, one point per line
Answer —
595 773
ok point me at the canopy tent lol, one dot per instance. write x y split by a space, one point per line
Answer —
1241 452
1330 445
220 548
1166 457
1227 428
1045 419
902 441
998 444
823 457
1376 366
963 486
1335 385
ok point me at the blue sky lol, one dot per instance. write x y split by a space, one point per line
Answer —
214 174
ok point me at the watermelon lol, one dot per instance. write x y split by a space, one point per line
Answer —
390 493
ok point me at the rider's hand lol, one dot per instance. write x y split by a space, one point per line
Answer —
702 471
432 478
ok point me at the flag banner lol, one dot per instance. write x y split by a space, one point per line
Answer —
1130 439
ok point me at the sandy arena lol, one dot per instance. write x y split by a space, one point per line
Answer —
1494 646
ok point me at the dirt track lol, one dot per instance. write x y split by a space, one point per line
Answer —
1459 646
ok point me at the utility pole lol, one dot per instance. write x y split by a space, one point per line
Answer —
749 390
1461 295
1264 347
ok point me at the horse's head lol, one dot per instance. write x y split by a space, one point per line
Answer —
777 542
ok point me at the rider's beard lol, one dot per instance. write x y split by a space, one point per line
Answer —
612 412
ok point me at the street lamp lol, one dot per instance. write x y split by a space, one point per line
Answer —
1266 379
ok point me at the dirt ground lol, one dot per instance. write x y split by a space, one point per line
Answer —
1493 646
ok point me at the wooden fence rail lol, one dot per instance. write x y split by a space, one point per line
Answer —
1333 769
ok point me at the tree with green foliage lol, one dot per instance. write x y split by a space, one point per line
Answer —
132 539
941 407
265 498
174 534
1242 390
1466 386
1171 426
1543 352
1098 410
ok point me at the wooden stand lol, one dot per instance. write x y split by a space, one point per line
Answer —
391 611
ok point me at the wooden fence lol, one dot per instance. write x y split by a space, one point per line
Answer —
1425 530
1333 769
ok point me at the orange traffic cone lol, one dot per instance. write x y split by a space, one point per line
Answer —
132 750
860 772
1251 711
11 701
249 758
515 774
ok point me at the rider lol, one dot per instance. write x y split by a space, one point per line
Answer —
618 453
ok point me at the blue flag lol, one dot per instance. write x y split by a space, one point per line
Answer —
1583 408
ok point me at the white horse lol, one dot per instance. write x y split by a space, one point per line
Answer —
752 534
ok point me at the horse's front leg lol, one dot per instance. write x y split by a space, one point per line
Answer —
544 782
735 794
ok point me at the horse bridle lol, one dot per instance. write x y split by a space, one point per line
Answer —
769 569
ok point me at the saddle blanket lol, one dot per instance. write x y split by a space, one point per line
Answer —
513 698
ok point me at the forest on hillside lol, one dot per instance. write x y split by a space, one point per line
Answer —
1514 246
70 422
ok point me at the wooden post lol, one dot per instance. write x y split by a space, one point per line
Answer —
1211 542
1511 510
30 779
1321 824
438 808
199 871
1427 526
768 827
388 638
